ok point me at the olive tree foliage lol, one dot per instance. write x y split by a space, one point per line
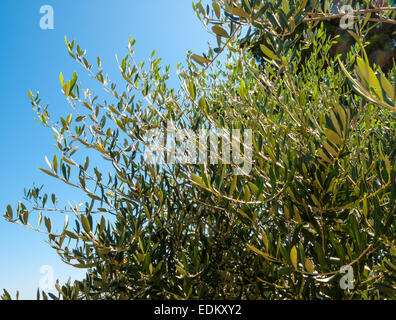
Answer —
318 198
377 26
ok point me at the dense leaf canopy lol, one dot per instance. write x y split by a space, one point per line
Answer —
315 190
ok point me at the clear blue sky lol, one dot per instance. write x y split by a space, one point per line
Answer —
31 58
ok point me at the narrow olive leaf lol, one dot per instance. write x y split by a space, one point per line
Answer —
66 222
66 89
330 149
268 52
102 225
85 224
40 218
30 95
198 180
265 240
392 266
309 266
86 163
82 265
254 188
240 13
341 113
335 123
201 9
315 200
73 81
388 88
94 196
387 164
201 60
69 119
369 76
49 173
61 79
202 104
333 137
70 234
216 8
366 19
9 212
298 217
48 224
293 257
220 31
246 194
181 270
286 212
55 164
261 253
192 90
233 185
323 156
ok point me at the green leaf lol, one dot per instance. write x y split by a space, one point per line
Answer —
220 31
233 185
86 163
333 137
369 76
6 295
9 212
70 234
201 60
261 253
48 224
198 180
192 90
181 270
268 52
246 193
49 173
85 224
55 164
73 81
202 104
309 266
61 79
388 88
240 13
293 257
330 149
216 9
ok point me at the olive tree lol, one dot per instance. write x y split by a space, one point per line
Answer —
258 179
